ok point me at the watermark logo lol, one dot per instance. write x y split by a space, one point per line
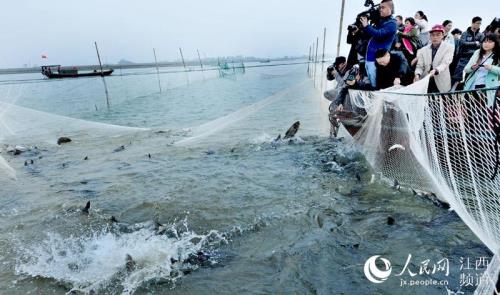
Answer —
373 273
428 272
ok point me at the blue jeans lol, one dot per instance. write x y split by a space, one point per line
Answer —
371 70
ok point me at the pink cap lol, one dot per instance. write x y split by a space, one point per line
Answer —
437 28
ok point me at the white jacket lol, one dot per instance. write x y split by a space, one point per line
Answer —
442 61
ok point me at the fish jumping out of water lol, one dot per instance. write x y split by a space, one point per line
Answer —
160 228
86 209
130 264
396 146
292 130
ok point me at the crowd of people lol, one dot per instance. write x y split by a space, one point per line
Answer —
396 51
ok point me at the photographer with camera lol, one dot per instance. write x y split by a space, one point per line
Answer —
346 77
338 72
382 35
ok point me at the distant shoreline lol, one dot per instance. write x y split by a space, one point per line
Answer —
210 62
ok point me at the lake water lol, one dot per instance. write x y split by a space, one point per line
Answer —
240 212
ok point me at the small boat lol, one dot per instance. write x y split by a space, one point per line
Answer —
56 71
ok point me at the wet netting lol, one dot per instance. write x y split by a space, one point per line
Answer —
31 126
440 145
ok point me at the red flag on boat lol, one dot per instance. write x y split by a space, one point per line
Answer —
44 56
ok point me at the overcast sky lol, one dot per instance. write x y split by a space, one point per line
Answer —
65 30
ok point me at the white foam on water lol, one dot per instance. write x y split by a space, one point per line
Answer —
91 263
263 138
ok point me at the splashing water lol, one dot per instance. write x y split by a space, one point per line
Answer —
97 261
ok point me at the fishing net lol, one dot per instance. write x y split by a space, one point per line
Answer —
440 145
231 69
21 126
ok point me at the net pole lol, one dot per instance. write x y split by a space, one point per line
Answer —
308 62
182 58
199 58
218 66
312 60
340 27
157 70
323 57
184 64
316 61
102 75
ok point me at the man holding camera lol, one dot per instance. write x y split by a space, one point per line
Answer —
338 72
346 77
382 36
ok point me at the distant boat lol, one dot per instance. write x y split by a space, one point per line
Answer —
265 60
56 71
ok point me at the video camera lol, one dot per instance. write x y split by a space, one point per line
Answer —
493 26
329 73
372 14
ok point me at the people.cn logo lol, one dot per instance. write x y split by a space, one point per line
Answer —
373 273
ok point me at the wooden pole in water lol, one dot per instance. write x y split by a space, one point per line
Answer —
199 58
182 58
308 62
323 58
218 66
340 27
102 75
184 64
312 60
316 61
157 70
